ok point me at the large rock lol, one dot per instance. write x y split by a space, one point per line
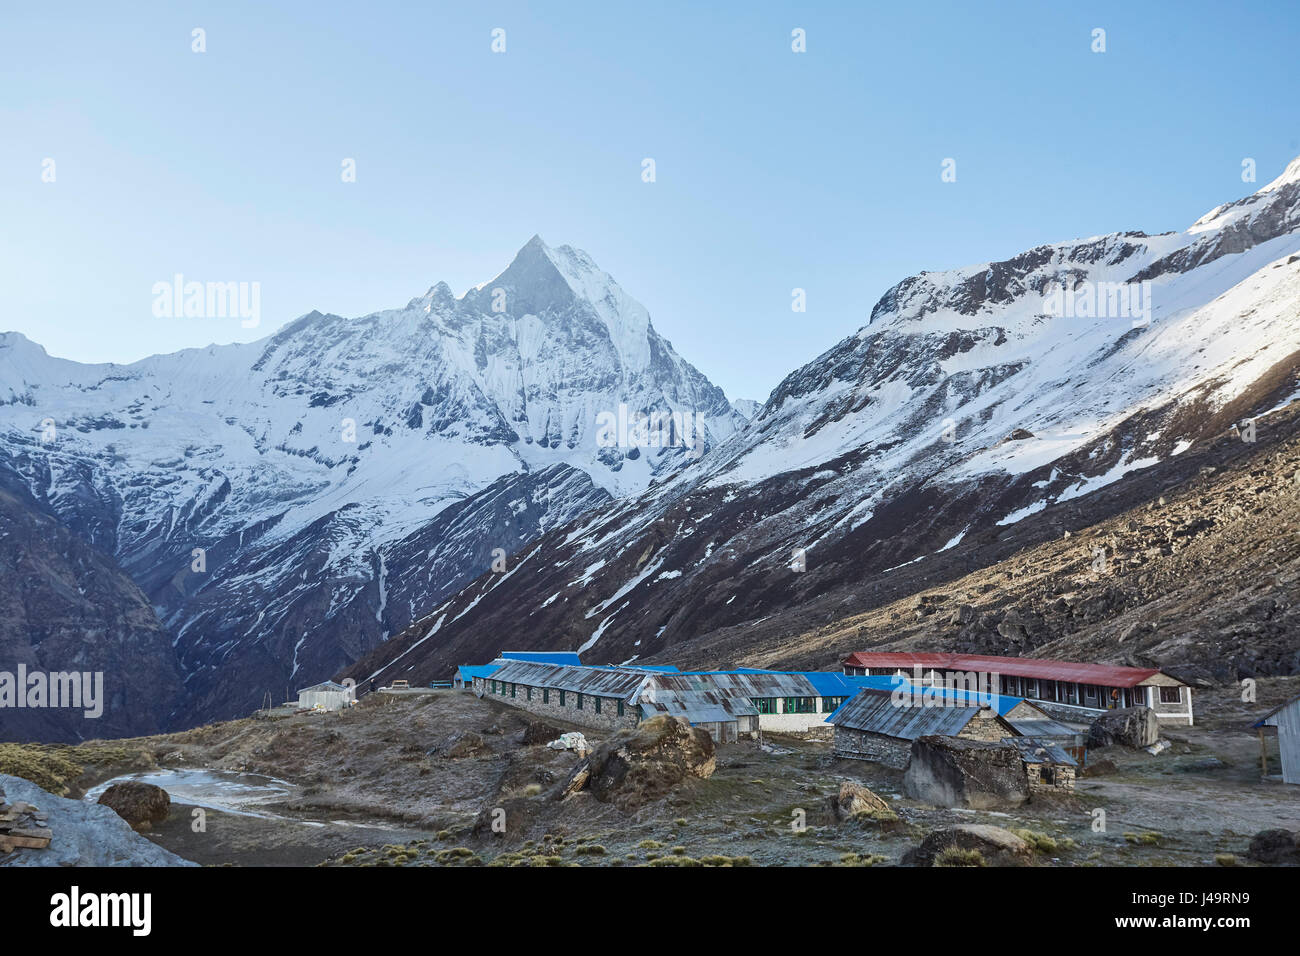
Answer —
996 846
638 766
855 800
139 804
1275 846
954 772
84 834
539 732
1134 727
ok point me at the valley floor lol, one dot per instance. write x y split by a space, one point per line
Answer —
402 781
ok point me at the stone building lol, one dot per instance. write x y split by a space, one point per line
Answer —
1047 765
1064 689
878 725
589 696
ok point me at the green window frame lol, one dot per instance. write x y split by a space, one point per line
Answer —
800 705
579 702
546 695
562 696
512 690
764 705
597 699
620 707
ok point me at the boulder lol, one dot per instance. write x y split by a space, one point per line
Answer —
855 800
139 804
996 846
1275 846
84 834
955 772
638 766
538 732
1135 727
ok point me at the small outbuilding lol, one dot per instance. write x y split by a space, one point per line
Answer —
1285 719
326 696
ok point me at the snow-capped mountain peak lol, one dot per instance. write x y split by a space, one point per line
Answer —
305 461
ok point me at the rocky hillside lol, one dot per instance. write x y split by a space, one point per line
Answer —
66 606
980 411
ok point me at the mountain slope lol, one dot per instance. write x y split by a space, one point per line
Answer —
289 503
971 401
68 608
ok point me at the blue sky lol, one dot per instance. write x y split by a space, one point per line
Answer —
775 170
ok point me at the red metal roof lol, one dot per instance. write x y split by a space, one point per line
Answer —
1106 675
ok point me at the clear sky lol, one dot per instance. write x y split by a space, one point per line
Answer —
774 169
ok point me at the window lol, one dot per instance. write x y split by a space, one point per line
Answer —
512 689
597 705
562 696
530 692
1090 694
1071 693
546 695
620 707
801 705
765 705
831 704
579 702
1171 695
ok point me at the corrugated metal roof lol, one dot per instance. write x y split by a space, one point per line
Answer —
543 657
876 711
681 696
1043 727
328 685
597 681
1263 721
1038 751
752 683
1105 675
1002 703
469 671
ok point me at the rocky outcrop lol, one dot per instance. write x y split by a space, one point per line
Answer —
953 772
139 804
84 834
1275 846
995 846
1135 727
855 801
539 732
66 607
636 767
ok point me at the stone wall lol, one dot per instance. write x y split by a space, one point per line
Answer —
861 745
985 727
1062 776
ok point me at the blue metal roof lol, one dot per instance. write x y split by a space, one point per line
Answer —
826 683
543 657
468 672
1002 703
